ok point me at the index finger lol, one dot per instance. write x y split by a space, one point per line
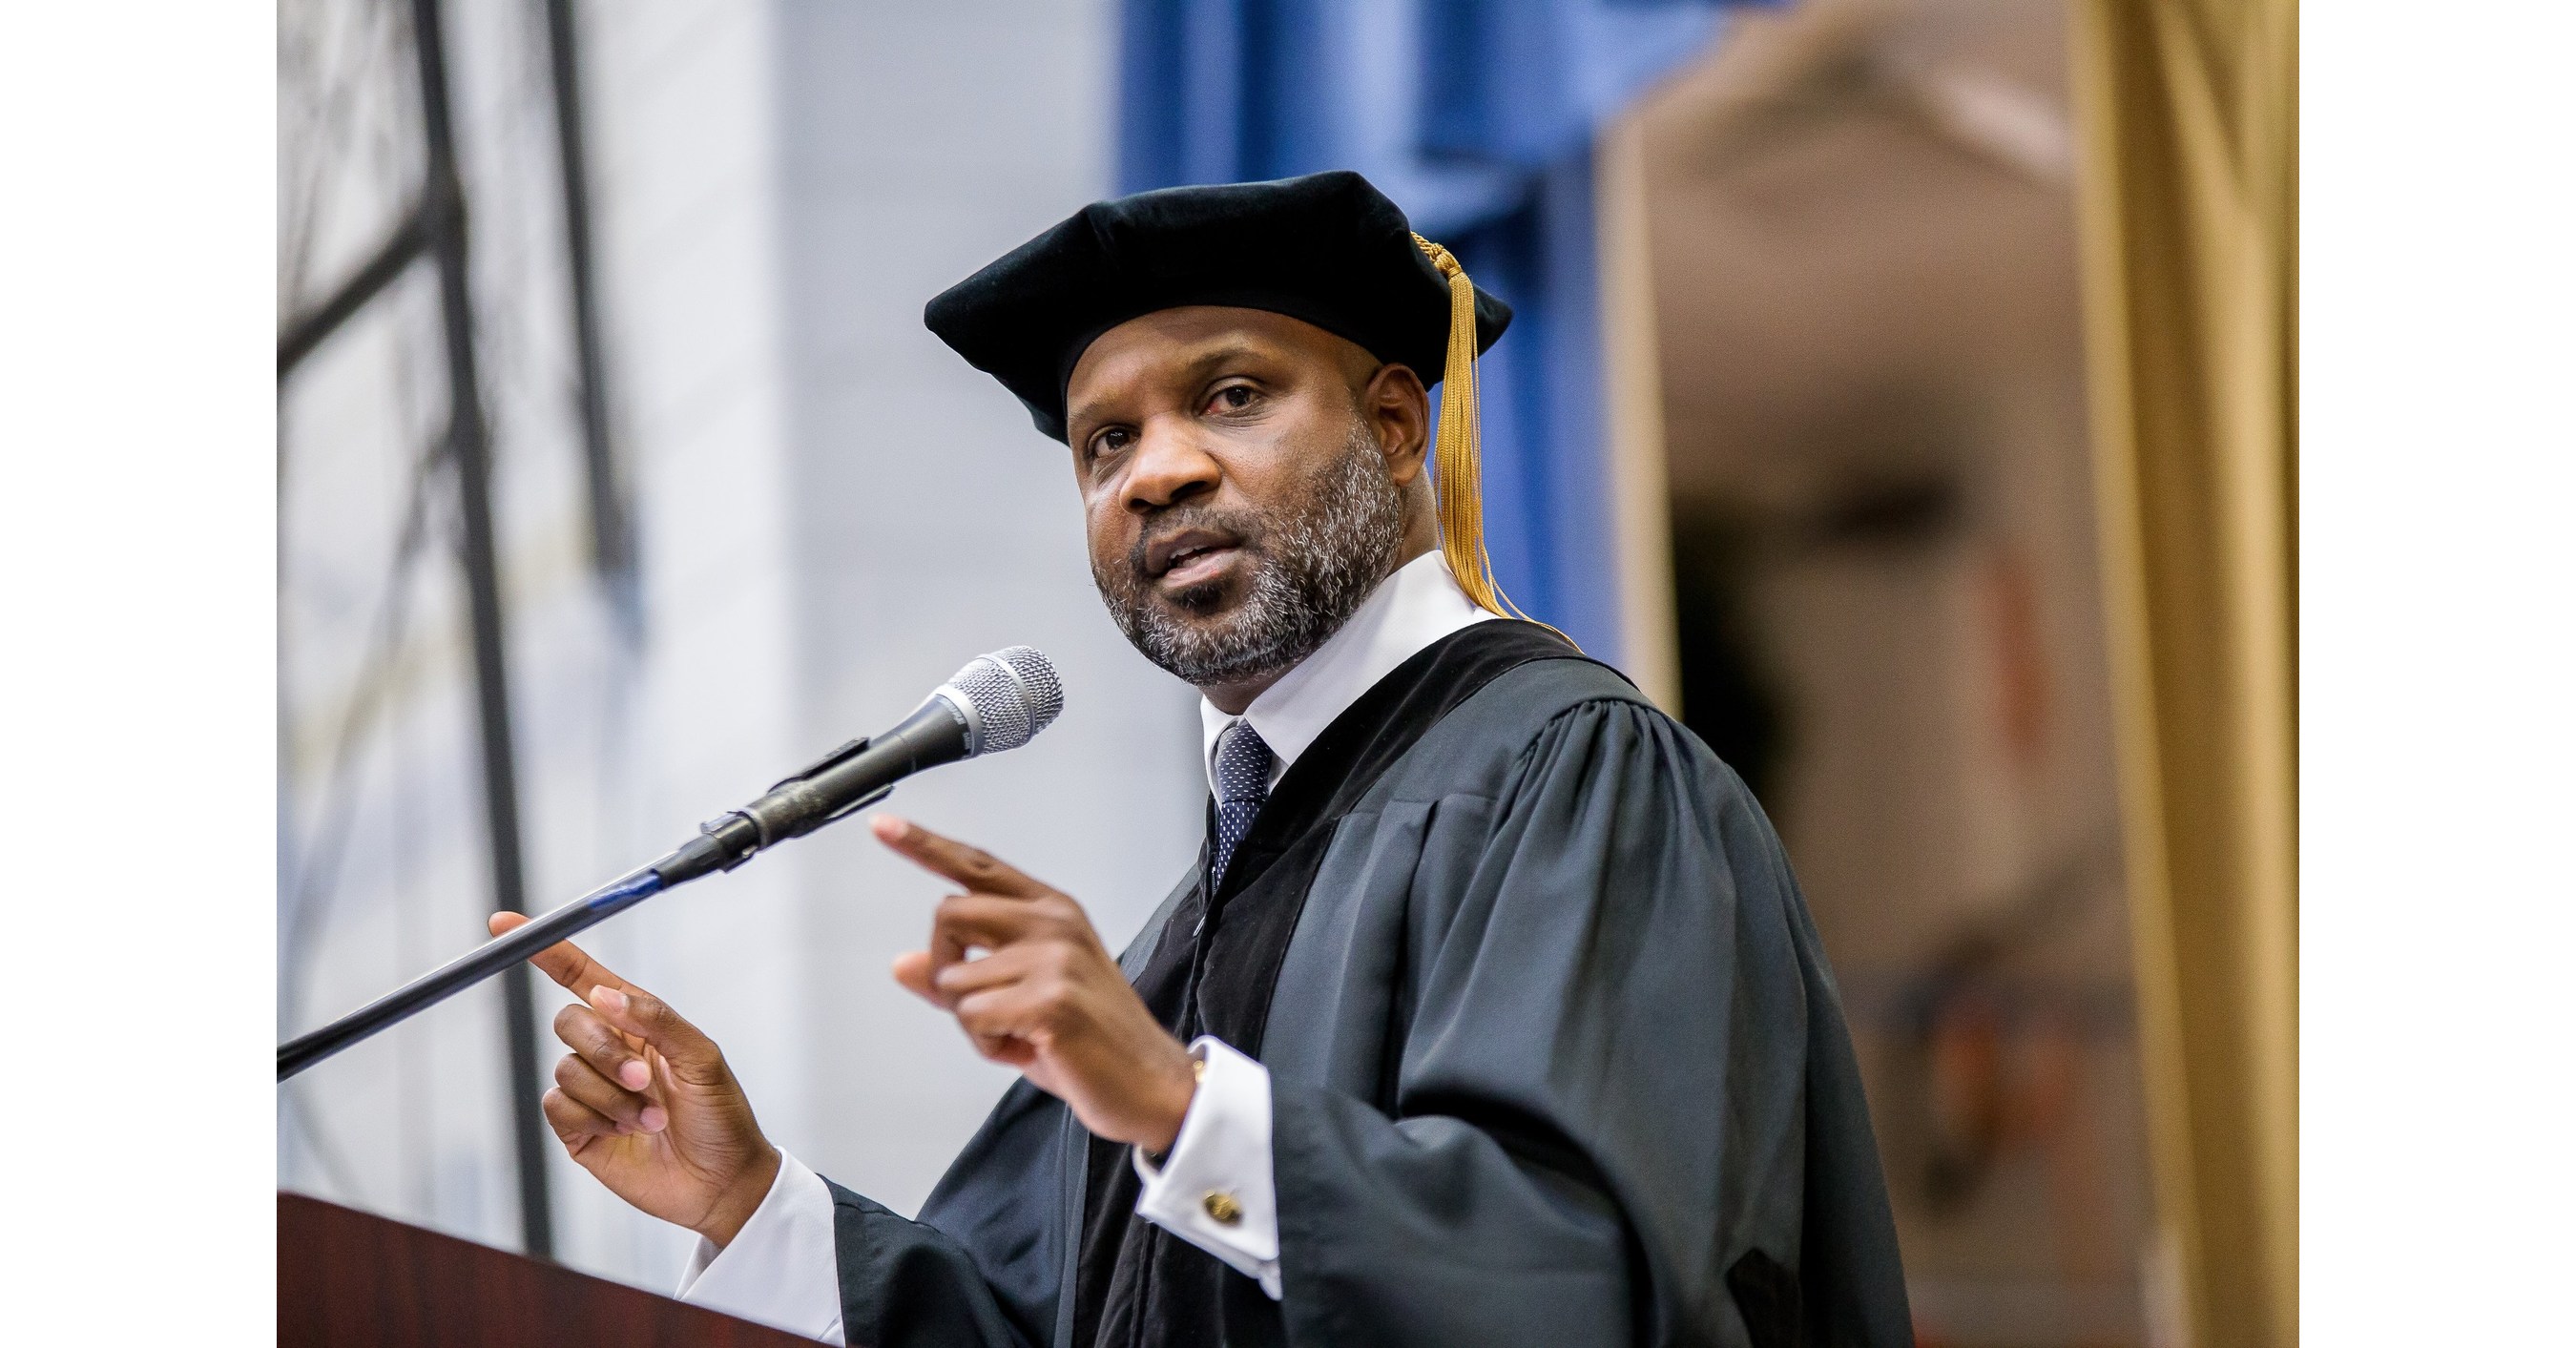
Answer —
980 871
563 961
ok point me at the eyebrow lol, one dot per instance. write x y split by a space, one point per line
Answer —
1232 349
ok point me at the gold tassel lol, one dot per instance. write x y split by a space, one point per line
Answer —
1458 478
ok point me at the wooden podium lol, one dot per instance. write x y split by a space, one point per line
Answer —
346 1277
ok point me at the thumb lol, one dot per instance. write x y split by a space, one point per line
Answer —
693 1057
912 969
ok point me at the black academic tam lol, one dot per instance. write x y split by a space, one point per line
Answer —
1327 248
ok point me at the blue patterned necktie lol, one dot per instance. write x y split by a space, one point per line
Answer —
1242 782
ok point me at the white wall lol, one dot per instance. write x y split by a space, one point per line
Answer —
920 142
835 512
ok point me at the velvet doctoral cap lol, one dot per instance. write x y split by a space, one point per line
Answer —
1327 248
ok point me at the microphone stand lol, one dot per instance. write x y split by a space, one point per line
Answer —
951 724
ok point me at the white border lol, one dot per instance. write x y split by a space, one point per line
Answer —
2438 730
137 331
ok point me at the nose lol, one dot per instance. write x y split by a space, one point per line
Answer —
1169 467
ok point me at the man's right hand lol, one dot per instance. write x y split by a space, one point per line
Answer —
646 1104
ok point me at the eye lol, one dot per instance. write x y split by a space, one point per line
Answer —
1234 398
1110 441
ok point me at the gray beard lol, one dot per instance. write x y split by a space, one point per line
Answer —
1311 571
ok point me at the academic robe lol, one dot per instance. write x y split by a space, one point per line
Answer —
1555 1059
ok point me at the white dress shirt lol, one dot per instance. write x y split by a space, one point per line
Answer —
781 1268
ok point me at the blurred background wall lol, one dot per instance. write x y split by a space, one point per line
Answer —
1797 427
1863 253
831 511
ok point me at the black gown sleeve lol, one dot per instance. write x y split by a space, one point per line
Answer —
989 1263
984 1266
1625 1111
907 1285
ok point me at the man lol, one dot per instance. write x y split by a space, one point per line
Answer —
1490 1013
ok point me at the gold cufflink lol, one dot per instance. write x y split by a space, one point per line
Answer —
1222 1207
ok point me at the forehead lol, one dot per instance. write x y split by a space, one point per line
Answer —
1172 343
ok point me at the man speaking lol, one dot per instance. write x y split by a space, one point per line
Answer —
1490 1012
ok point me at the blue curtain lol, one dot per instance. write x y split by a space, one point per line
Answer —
1476 116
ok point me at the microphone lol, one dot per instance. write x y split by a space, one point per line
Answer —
998 701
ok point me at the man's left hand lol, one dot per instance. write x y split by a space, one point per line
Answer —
1046 997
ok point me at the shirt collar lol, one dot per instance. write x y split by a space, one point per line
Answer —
1416 606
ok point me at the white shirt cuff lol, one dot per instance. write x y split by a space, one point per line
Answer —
1215 1188
782 1269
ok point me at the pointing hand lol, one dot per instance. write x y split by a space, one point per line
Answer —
645 1102
1047 997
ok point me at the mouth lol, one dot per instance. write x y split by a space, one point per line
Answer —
1190 557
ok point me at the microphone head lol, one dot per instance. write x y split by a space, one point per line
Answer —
1007 696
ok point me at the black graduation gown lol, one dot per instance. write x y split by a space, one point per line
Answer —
1555 1059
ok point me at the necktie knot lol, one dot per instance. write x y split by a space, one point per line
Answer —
1243 763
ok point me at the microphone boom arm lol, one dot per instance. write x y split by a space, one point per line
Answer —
793 808
958 720
474 966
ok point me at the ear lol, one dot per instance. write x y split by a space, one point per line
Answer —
1399 408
